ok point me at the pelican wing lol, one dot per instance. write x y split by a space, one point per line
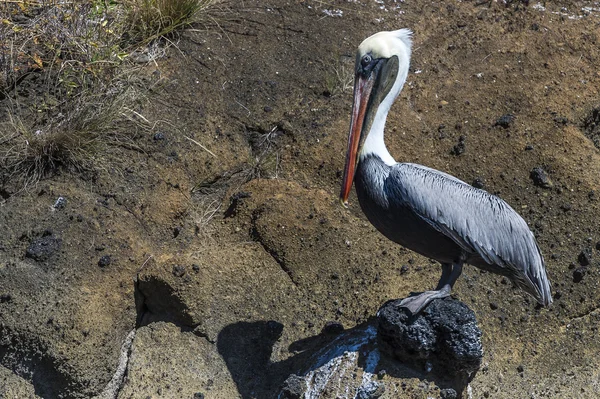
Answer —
480 223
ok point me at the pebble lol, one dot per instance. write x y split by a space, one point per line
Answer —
459 148
585 257
104 261
478 183
60 203
42 248
505 121
540 178
579 273
178 270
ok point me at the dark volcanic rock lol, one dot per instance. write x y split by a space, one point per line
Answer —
42 248
104 261
585 257
579 273
459 147
505 121
540 178
443 339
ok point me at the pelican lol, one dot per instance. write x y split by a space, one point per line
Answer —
425 210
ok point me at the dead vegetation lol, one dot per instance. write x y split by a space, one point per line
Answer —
69 77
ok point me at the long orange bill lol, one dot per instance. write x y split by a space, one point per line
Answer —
362 92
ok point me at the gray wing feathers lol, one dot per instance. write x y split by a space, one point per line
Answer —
477 221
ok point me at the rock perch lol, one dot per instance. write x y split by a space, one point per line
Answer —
443 340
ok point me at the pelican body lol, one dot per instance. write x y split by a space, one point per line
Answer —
423 209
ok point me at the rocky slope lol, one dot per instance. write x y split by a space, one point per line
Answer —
227 264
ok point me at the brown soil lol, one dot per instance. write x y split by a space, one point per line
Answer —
217 246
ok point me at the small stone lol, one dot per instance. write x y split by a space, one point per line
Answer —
493 306
505 121
178 270
478 183
585 257
196 268
520 368
404 269
104 261
459 148
60 203
5 298
579 273
598 246
198 395
159 136
540 178
42 248
267 109
176 231
528 147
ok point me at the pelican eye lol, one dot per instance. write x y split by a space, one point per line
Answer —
366 60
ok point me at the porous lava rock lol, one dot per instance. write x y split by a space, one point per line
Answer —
443 339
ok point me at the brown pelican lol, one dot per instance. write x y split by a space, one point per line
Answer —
423 209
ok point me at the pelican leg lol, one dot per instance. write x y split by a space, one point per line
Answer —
417 303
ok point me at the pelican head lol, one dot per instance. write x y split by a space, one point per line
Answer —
382 62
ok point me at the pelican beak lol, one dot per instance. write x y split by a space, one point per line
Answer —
362 92
371 86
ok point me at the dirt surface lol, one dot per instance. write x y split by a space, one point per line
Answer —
229 257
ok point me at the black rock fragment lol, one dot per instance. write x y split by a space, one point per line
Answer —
104 261
478 183
585 257
505 121
5 298
178 270
579 273
460 147
443 339
540 178
42 248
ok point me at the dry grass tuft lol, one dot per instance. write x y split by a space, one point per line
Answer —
68 77
153 19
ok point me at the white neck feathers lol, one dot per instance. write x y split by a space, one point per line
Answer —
399 42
